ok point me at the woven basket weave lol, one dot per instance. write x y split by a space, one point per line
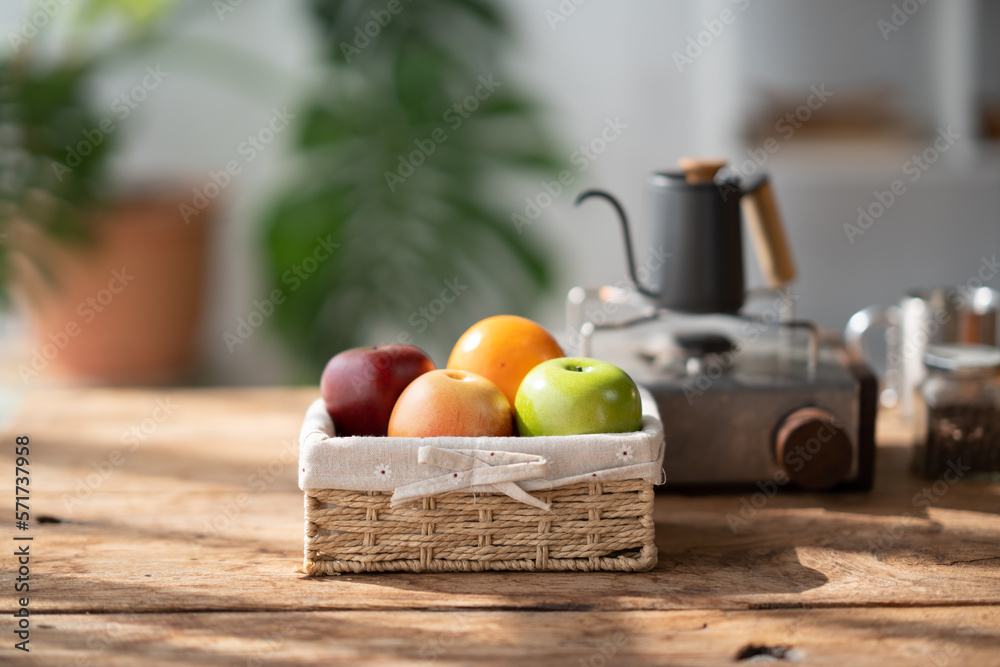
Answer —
591 526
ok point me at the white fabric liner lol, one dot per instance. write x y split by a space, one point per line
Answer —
416 467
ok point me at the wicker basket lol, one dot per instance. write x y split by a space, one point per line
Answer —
596 526
582 503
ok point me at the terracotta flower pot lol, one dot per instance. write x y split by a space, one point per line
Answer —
125 309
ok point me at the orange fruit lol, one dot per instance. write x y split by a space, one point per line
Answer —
502 349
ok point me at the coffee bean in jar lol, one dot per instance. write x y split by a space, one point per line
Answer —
961 420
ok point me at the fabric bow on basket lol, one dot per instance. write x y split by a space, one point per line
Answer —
476 470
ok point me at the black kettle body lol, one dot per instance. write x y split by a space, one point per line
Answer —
696 219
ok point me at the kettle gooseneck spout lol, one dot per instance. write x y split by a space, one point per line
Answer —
639 287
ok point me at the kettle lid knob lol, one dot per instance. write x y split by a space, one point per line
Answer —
700 170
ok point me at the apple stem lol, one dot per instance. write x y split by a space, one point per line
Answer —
579 369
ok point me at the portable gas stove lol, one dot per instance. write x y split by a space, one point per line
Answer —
746 397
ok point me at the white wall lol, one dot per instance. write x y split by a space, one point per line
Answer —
615 58
612 59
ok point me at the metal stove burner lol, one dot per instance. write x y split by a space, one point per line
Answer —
690 351
699 344
737 410
583 323
701 348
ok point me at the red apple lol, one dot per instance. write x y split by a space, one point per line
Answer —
451 402
360 386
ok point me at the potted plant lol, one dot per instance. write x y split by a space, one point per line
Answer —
112 281
396 225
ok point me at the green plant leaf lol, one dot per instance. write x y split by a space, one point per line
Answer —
407 189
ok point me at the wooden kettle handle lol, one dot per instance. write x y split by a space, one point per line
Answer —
763 220
768 235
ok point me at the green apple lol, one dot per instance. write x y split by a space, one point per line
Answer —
576 395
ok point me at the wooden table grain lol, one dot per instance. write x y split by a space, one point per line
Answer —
167 530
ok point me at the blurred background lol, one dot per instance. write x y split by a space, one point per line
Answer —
230 192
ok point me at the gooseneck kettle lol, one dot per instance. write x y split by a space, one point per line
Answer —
695 216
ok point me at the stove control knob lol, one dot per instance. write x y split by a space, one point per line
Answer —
812 450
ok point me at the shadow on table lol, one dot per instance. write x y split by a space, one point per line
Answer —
482 637
199 438
898 492
684 577
900 522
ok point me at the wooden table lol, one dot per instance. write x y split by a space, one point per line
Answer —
167 530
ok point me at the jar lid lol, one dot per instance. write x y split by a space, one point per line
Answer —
963 359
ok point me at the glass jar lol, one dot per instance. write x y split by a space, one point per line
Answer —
959 429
